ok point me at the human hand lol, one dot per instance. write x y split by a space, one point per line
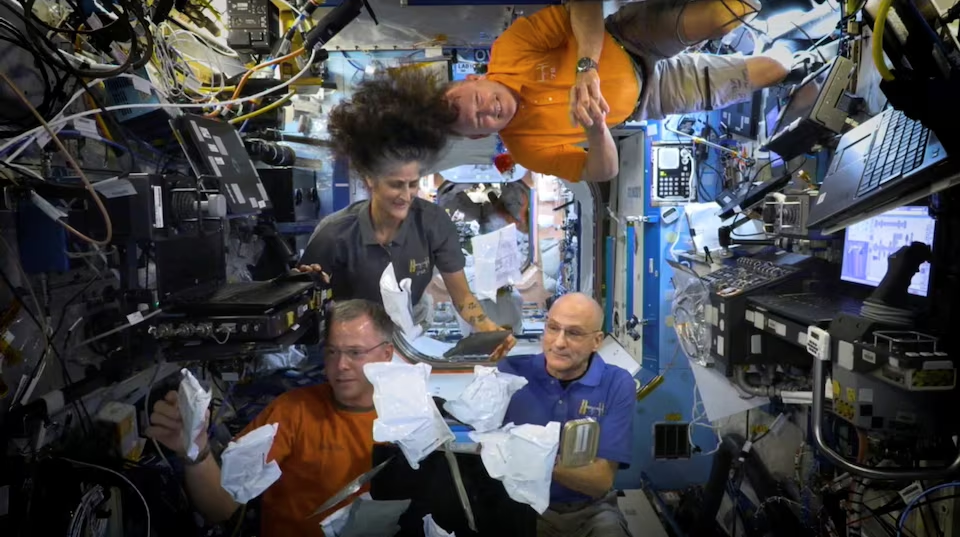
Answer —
587 105
166 425
504 348
314 268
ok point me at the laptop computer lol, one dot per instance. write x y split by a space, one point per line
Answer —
887 161
191 278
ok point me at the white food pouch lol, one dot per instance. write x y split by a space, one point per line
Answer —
193 402
244 472
483 403
431 529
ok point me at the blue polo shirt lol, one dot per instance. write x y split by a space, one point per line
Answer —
605 392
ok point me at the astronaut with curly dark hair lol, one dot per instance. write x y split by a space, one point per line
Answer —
393 127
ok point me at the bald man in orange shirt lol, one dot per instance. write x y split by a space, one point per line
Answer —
564 75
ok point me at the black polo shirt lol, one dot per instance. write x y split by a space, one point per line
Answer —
345 245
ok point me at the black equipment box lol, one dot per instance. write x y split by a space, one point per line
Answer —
294 193
729 288
254 25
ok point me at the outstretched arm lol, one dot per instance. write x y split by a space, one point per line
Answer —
586 19
586 99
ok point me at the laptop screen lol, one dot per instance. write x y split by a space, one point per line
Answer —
802 100
869 243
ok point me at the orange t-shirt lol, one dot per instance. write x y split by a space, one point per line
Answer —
537 58
320 447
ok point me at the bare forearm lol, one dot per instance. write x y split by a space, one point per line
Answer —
208 497
463 299
594 480
586 19
603 162
471 311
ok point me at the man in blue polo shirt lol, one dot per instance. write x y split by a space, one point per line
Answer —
570 381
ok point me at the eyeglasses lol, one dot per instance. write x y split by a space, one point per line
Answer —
352 354
553 330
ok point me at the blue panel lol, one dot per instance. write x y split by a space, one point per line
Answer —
662 354
42 242
609 262
673 396
651 279
341 184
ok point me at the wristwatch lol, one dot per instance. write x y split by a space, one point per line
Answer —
586 64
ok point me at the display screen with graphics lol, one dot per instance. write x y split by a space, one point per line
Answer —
869 243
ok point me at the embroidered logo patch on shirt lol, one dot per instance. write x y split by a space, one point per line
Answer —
586 409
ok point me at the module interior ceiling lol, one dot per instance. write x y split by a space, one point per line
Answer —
405 27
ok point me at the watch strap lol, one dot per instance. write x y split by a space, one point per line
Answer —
586 64
202 456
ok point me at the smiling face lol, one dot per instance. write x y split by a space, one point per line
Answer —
392 193
572 333
485 107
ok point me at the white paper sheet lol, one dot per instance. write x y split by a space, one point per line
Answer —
497 261
614 354
721 398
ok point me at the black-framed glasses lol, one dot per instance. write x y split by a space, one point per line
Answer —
352 354
553 329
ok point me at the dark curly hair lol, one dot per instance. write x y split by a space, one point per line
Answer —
395 116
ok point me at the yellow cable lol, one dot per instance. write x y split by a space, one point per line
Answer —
99 118
877 40
107 223
272 106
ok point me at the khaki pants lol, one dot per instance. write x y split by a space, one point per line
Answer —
599 518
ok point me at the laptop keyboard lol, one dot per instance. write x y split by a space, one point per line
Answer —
898 150
809 306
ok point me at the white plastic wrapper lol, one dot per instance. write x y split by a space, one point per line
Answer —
244 472
522 457
497 262
406 413
333 525
396 301
366 517
431 529
193 401
483 403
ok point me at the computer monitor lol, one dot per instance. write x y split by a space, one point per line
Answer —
869 243
813 111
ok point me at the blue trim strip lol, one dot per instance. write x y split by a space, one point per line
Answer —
608 263
630 255
651 279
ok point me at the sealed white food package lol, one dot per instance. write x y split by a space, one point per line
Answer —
396 302
484 402
244 472
406 413
522 457
193 401
431 529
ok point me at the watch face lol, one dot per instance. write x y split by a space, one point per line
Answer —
585 64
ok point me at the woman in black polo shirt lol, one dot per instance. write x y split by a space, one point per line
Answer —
390 134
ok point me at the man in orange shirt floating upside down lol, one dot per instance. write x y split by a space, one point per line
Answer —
564 76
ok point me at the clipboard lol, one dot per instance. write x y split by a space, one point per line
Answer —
479 344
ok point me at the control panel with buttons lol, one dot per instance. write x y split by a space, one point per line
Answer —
674 173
